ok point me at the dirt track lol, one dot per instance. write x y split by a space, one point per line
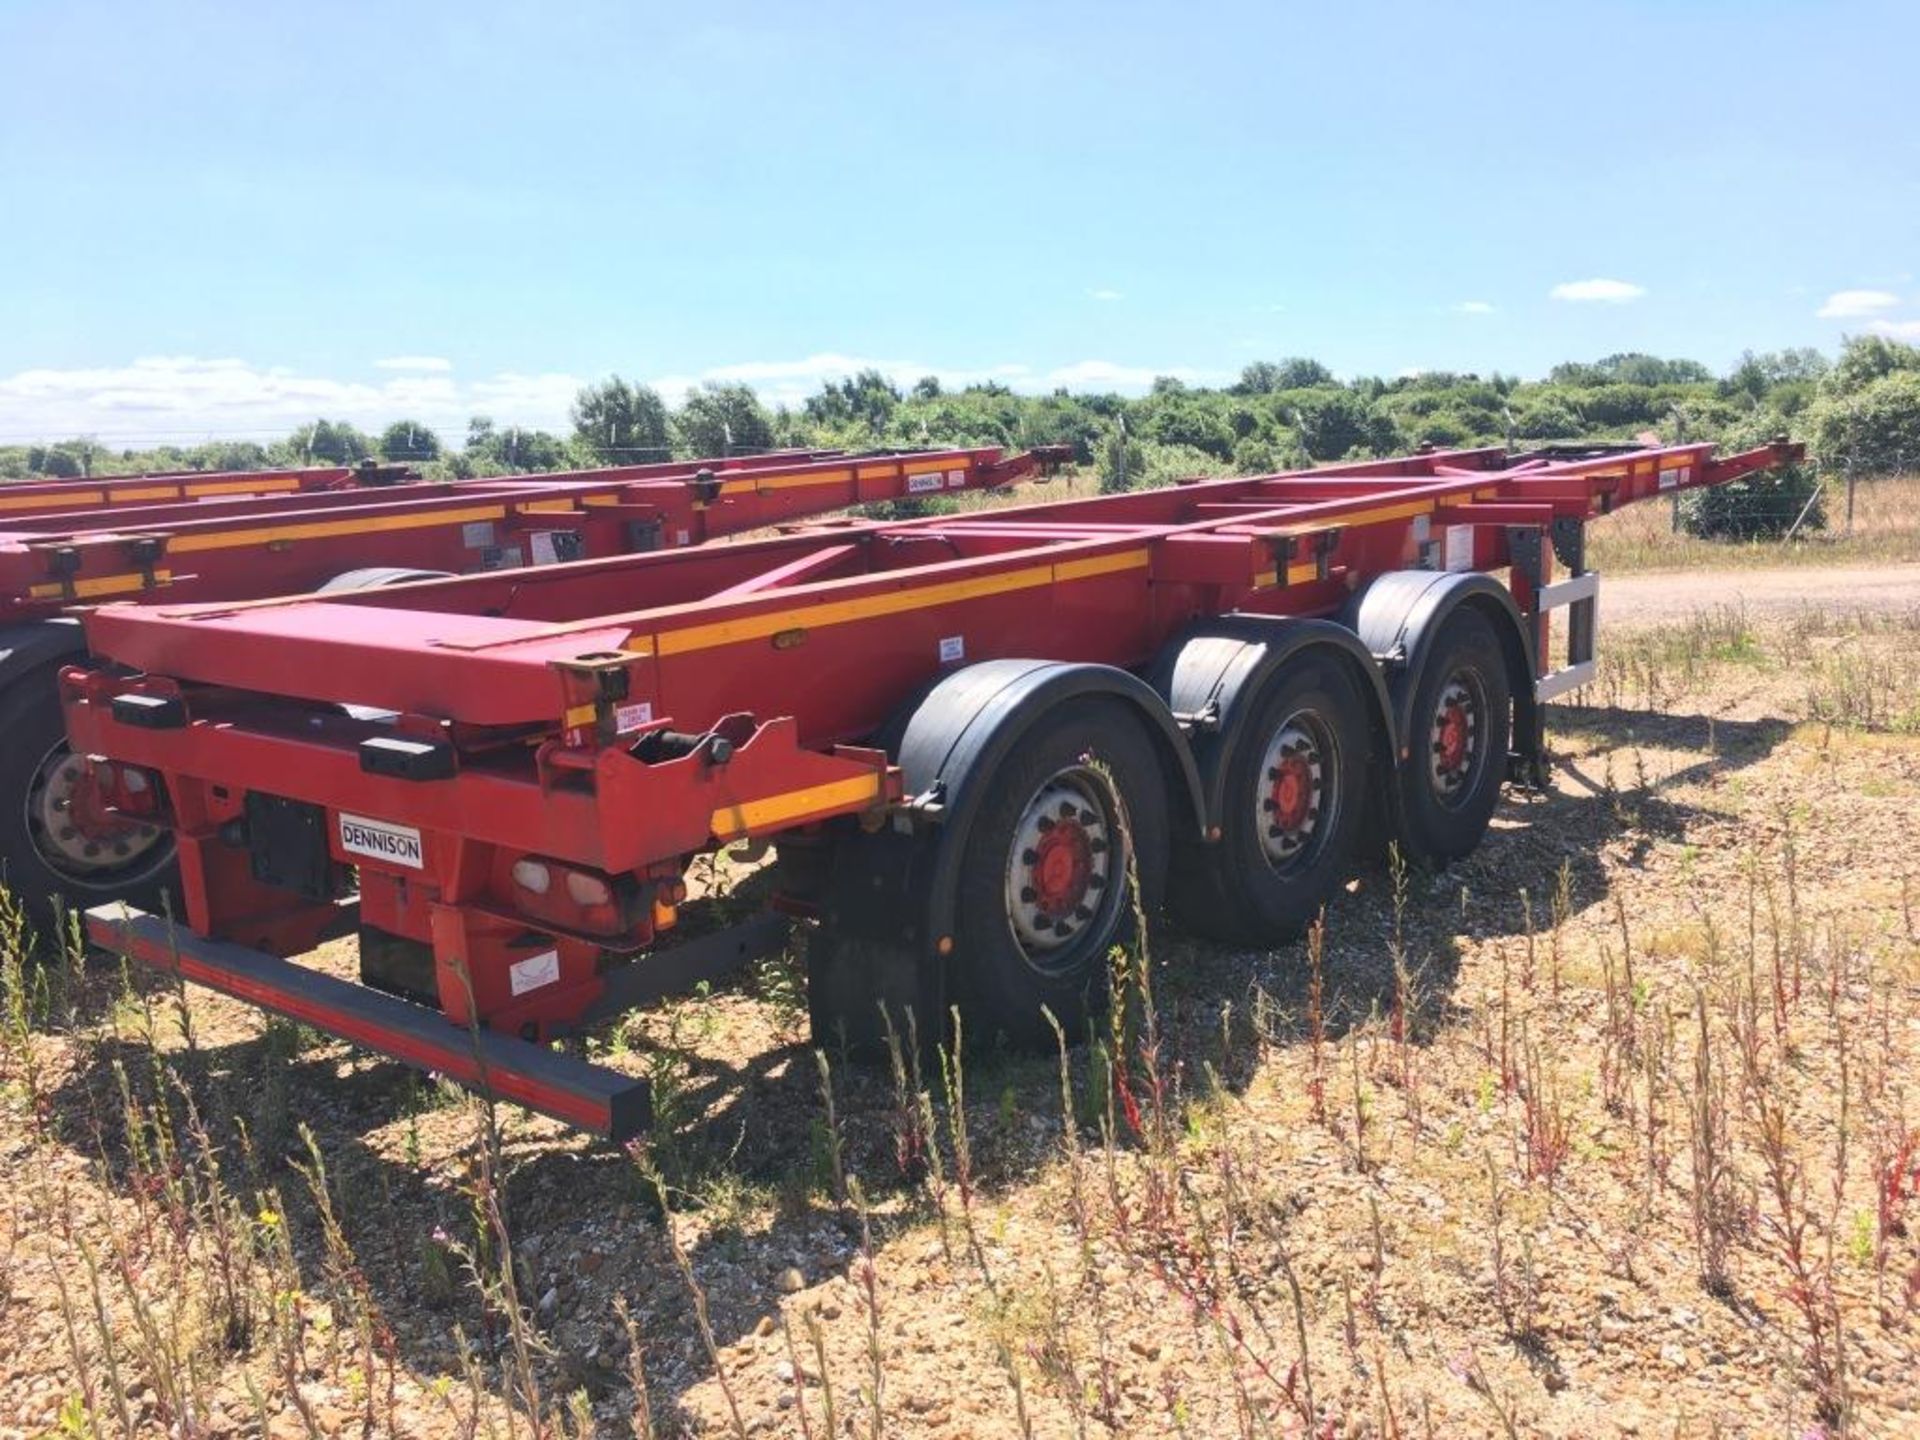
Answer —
1666 596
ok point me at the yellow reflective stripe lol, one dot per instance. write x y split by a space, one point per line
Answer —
1301 574
1380 514
579 715
1100 565
928 467
761 485
1383 513
241 487
756 627
879 472
545 507
49 502
746 816
318 530
797 482
99 585
149 492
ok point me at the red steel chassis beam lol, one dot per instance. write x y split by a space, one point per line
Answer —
195 548
107 493
529 713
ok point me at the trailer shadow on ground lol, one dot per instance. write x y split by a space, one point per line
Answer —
400 1151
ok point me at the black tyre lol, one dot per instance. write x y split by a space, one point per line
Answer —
1456 740
1075 817
1293 807
53 842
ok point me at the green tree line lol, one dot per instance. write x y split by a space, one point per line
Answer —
1860 412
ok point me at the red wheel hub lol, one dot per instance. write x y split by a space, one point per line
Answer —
1292 792
87 808
1453 737
1062 866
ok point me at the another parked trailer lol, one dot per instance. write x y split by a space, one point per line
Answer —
100 495
188 538
981 743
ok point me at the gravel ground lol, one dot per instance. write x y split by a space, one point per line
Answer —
1659 597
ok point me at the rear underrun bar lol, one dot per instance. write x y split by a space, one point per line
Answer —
591 1097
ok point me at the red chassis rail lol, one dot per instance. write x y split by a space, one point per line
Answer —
546 749
181 545
105 494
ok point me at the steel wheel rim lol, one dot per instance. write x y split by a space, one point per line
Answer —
1456 738
1296 792
127 851
1063 868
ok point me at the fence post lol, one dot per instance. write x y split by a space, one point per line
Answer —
1679 438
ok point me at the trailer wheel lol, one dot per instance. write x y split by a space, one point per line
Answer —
1075 818
53 840
1293 805
1456 739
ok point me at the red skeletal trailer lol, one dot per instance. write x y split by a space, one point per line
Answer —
970 737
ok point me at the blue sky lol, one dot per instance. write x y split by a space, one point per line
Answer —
223 218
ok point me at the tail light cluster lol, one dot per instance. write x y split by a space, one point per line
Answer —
591 901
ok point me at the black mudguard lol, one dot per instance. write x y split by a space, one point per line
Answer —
1397 618
1209 674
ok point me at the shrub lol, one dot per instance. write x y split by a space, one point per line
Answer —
1761 507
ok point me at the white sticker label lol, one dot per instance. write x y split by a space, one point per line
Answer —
632 717
381 840
478 535
534 971
1673 479
956 479
920 484
952 648
543 551
1459 547
681 537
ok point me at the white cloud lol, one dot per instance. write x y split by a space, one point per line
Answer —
1473 307
788 382
1851 304
1105 295
1897 329
1606 292
1106 375
535 400
184 399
